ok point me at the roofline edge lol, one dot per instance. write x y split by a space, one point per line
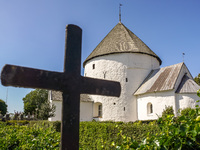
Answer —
159 60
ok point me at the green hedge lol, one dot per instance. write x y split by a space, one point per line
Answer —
93 135
24 137
105 135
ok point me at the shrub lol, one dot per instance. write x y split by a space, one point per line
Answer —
57 125
167 111
106 135
185 111
18 122
28 137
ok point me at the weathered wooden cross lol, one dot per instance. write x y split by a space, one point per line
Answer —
70 82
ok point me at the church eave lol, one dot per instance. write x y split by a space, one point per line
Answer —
84 63
156 91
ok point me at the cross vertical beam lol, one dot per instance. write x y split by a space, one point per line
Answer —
71 101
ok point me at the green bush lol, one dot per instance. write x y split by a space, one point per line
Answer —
106 135
185 111
167 111
26 137
57 125
93 135
19 122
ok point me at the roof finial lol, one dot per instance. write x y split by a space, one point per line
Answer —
183 56
120 12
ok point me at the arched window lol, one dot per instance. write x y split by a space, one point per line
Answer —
149 108
100 110
97 110
104 74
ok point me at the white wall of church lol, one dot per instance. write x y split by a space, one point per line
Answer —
158 100
57 116
86 111
130 69
187 100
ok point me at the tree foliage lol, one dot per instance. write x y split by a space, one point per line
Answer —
36 102
197 79
47 110
3 107
168 111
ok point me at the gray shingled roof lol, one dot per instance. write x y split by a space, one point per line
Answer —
187 85
162 79
121 40
57 96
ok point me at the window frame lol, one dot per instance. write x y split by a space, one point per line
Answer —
149 108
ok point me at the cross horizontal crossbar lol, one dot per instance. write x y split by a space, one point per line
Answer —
34 78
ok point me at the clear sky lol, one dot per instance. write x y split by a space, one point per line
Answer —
32 32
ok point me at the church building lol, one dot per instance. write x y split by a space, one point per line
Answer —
146 89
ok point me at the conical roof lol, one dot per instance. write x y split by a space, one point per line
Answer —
121 40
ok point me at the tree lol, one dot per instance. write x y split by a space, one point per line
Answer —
36 102
197 79
3 107
47 110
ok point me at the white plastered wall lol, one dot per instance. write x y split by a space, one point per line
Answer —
130 69
186 100
159 100
57 116
86 111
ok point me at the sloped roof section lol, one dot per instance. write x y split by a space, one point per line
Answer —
121 40
187 85
57 96
162 79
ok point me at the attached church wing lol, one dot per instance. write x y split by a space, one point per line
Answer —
162 79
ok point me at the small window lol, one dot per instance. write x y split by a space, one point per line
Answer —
124 108
93 66
100 111
104 74
149 108
126 79
97 110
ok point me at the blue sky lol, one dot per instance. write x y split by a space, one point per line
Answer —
32 32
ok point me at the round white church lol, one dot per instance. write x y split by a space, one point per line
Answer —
146 89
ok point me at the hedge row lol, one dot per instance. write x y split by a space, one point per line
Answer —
105 135
93 135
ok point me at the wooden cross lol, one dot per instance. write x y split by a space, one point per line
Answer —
70 82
